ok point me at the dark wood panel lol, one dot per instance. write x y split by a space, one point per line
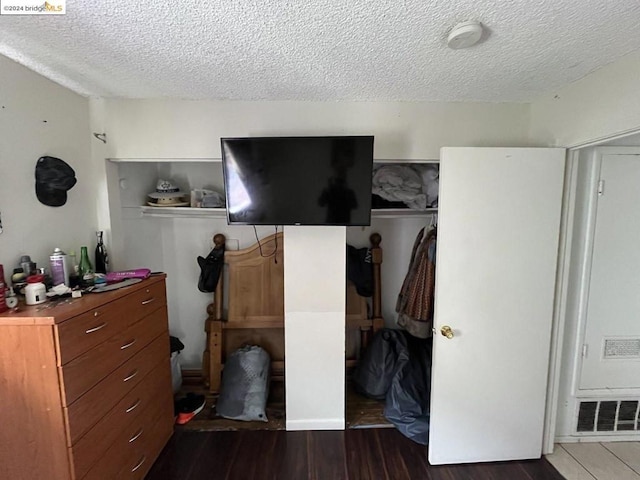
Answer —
539 470
360 454
291 456
247 462
183 452
325 445
400 455
364 457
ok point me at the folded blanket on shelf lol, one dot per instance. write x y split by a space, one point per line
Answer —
414 185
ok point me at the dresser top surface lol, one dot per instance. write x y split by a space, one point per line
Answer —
56 311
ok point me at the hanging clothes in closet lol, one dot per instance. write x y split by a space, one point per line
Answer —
416 298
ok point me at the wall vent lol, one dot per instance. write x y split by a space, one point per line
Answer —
622 348
608 416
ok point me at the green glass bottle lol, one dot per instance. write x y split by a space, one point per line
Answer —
86 274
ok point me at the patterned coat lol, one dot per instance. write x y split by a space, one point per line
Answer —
416 299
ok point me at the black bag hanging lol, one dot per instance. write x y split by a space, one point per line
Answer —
360 270
210 269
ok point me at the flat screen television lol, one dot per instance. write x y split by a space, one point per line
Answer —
298 180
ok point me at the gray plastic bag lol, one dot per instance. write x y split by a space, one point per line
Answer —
374 372
245 385
408 398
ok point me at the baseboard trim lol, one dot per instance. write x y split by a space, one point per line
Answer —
311 424
631 437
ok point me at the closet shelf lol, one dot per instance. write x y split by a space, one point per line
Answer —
187 212
401 212
163 160
219 160
392 161
183 212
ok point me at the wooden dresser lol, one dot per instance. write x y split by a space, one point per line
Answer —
85 385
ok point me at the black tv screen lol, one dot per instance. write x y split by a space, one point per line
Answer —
298 180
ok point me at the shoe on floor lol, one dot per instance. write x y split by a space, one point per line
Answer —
188 407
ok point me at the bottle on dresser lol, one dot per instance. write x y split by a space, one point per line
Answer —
74 280
86 273
101 256
60 266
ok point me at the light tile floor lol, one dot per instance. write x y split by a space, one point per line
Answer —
600 461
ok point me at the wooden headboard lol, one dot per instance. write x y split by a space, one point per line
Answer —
254 314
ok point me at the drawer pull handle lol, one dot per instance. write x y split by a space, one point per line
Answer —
147 302
139 464
127 345
95 329
132 407
96 313
135 437
131 375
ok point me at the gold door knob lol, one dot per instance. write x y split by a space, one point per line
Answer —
447 332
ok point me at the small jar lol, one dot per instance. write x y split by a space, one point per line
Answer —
35 292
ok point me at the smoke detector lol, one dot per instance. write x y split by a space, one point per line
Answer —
464 35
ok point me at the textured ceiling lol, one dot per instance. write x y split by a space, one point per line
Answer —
363 50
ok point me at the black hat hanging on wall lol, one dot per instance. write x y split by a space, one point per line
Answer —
53 178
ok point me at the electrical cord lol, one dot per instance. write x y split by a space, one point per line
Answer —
273 254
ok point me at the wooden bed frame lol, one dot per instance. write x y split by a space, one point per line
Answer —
254 314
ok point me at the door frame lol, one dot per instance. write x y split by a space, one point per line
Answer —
562 279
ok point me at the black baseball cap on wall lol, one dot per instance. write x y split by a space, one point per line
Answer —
53 178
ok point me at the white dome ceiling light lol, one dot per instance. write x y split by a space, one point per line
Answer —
464 35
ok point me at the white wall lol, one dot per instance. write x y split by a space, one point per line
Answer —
174 128
314 314
192 129
602 104
39 117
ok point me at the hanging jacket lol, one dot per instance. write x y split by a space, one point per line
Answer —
416 299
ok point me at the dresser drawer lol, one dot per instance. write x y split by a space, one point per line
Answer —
79 334
161 434
84 413
85 371
145 301
137 446
154 389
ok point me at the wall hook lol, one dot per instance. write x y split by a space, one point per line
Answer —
101 136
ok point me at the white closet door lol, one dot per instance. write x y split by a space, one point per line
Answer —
612 336
498 231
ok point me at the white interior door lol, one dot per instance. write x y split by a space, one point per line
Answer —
612 336
498 231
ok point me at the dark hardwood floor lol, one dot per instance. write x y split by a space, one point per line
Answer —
354 454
